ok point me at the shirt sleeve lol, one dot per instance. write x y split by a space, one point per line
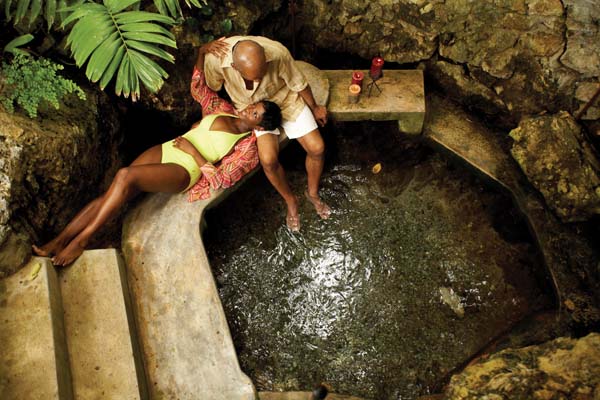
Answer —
213 72
290 73
209 100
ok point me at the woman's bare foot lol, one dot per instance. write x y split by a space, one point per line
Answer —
322 209
68 254
49 249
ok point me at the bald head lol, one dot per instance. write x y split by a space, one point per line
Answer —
249 60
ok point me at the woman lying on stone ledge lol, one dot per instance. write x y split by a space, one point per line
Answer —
172 167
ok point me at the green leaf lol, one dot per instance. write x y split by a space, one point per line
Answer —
87 34
36 7
79 12
11 46
150 49
115 6
146 27
226 25
122 84
7 12
50 12
129 17
22 6
150 37
102 57
109 72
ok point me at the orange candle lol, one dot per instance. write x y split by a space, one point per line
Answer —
353 93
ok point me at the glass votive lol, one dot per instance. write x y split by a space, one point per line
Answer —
353 93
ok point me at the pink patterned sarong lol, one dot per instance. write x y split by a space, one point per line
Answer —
232 167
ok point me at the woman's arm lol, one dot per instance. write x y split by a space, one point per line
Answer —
185 145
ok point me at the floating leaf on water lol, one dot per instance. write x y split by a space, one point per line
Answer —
570 305
376 168
35 271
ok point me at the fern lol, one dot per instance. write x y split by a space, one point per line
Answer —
32 82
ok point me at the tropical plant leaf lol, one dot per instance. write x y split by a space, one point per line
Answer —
115 6
36 8
7 7
151 49
50 12
12 46
129 17
109 72
169 7
226 25
120 43
22 6
195 3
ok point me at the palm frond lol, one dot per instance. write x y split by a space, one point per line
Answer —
33 10
113 41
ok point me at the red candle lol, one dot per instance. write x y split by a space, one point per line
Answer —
376 67
357 78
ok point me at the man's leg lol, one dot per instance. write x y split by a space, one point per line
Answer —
268 153
315 159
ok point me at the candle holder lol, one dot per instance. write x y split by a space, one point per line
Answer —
376 73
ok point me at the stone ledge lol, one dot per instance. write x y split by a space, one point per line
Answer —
402 98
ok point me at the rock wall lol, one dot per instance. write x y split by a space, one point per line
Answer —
51 166
560 369
507 58
553 153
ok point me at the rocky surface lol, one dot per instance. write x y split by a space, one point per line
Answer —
557 160
51 166
560 369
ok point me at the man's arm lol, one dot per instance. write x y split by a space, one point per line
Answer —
320 112
296 82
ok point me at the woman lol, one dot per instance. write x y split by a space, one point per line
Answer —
171 167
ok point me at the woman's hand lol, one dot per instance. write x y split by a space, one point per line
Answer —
184 145
320 114
218 48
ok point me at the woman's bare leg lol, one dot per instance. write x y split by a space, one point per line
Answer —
76 225
83 218
128 182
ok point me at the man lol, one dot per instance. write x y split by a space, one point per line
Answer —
254 68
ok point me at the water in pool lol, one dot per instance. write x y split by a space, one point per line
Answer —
418 268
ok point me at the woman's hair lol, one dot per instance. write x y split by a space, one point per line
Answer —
271 119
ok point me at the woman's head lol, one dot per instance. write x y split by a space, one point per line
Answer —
264 114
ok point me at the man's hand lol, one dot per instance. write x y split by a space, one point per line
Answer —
320 113
218 48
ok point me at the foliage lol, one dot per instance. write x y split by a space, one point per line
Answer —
30 82
13 45
114 37
114 41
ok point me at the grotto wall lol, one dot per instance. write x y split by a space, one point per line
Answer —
50 167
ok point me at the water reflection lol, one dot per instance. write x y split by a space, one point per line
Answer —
404 282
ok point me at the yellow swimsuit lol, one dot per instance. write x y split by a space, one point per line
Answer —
212 145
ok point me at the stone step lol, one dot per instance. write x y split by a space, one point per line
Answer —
301 396
33 357
187 348
103 352
402 98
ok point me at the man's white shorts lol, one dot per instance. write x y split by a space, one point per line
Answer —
304 124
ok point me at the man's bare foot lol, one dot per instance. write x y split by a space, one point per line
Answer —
49 249
68 254
292 219
322 209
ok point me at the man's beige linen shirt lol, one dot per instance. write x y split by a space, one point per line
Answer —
281 83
